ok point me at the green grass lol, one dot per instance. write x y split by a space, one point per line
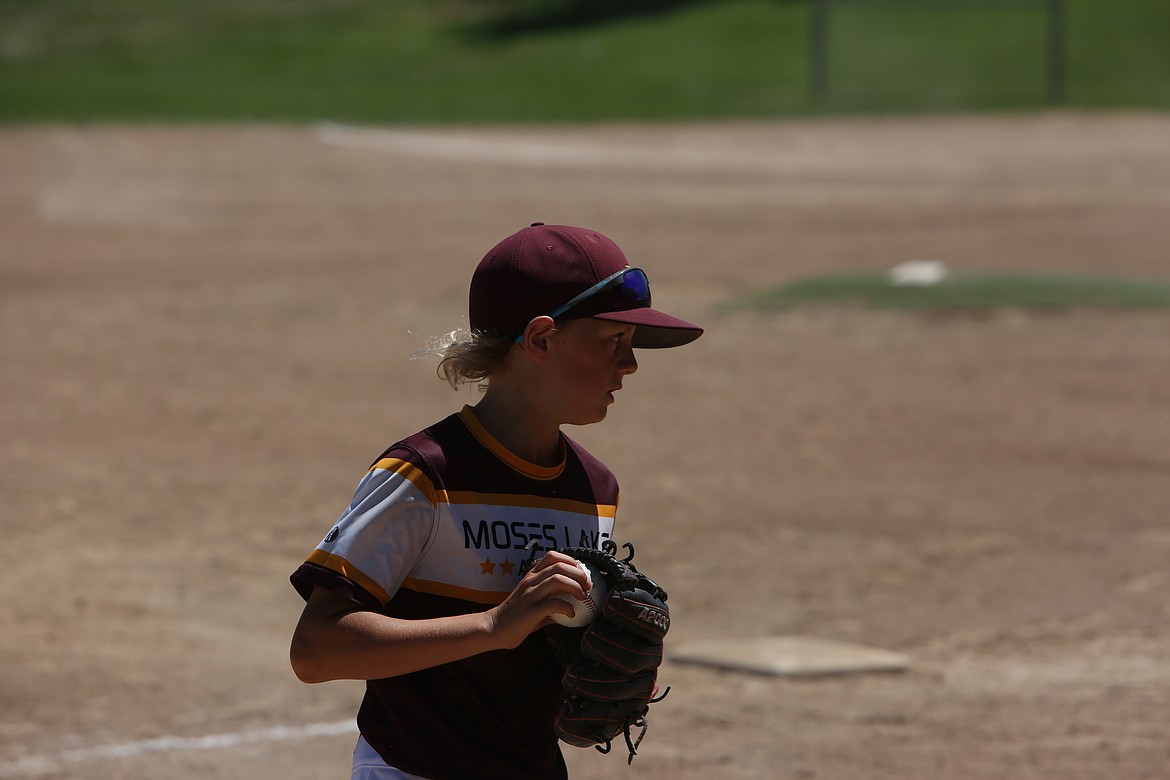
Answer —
936 55
963 292
435 61
993 54
406 61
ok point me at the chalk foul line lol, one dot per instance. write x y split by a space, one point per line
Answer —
37 764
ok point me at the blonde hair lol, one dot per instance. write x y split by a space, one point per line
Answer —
472 356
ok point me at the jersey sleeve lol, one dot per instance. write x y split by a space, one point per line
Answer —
378 539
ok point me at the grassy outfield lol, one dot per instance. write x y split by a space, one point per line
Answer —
963 292
402 61
465 61
994 54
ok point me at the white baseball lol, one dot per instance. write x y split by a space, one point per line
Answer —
584 612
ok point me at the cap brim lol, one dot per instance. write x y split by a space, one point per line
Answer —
655 330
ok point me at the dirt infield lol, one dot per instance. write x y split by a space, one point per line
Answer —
207 334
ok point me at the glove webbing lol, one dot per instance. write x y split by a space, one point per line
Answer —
638 723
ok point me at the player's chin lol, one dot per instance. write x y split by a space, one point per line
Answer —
593 416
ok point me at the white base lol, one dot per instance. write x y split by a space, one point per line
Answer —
788 656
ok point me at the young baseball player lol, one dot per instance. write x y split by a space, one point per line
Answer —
419 587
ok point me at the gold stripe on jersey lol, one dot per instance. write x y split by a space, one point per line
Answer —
413 473
528 501
344 567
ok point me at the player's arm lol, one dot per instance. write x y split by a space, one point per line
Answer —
336 639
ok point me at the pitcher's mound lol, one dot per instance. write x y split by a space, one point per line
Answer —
789 656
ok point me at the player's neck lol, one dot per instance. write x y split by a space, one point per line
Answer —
517 424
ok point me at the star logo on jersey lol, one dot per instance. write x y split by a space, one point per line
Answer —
487 567
506 567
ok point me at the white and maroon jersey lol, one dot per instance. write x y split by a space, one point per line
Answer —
441 525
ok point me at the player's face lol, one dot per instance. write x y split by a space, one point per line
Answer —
592 359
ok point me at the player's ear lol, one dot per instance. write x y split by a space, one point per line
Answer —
537 336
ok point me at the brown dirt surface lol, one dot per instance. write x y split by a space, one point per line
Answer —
207 332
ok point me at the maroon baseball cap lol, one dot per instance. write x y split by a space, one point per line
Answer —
539 269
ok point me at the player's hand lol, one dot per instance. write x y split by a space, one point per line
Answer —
534 600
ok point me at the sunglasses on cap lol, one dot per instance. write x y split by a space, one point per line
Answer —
627 289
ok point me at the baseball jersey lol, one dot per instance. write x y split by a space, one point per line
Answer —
440 525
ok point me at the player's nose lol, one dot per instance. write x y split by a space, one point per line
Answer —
627 363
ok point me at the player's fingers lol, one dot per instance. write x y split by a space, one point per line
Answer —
554 583
566 573
551 558
535 601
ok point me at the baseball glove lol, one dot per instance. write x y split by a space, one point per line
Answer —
611 666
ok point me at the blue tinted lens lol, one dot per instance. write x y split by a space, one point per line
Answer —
627 289
634 292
